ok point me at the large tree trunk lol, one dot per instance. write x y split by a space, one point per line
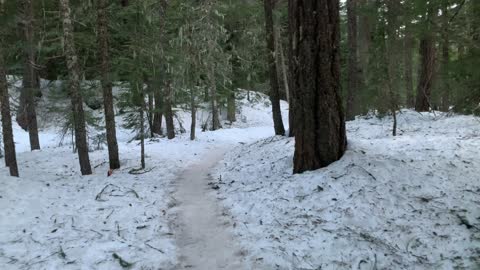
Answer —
75 95
427 65
408 62
353 80
320 136
274 92
168 111
27 114
427 70
7 132
102 24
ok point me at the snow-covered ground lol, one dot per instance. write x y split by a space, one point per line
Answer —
405 202
53 218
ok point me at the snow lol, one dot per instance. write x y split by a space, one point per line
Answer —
405 202
54 218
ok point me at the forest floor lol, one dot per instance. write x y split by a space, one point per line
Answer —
54 218
405 202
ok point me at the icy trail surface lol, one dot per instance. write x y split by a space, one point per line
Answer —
203 235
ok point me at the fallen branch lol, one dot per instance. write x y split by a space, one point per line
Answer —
122 262
140 171
152 247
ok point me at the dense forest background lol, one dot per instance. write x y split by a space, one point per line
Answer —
192 54
181 41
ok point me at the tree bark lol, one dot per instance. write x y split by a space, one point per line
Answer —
231 110
320 136
30 82
213 100
75 94
292 34
103 45
427 65
142 125
157 115
284 69
390 57
7 132
231 106
150 111
274 92
353 80
194 114
427 69
168 111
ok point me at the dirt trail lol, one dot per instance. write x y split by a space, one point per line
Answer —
203 236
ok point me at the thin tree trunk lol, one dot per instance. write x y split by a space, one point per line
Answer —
142 125
353 80
194 114
274 92
291 49
284 69
278 63
391 46
231 110
231 106
75 95
150 111
445 57
102 24
408 62
168 111
213 100
320 136
7 132
157 116
30 85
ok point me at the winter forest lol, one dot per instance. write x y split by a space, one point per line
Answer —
240 134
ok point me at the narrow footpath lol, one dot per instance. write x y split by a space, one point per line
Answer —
202 232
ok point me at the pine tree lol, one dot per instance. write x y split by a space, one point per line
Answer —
9 144
320 136
274 92
74 85
27 116
103 45
168 112
427 66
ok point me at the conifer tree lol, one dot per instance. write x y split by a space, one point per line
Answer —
73 68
